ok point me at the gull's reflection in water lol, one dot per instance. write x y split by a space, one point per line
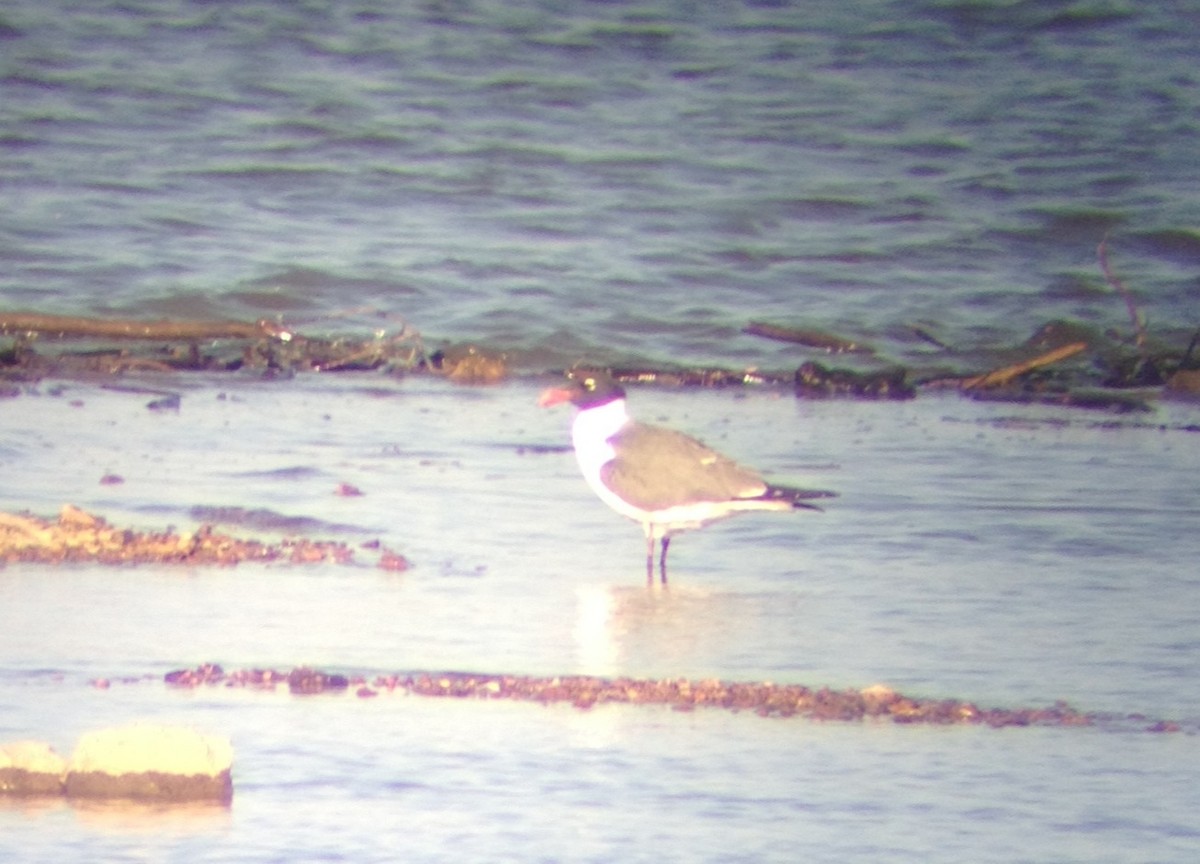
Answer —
684 632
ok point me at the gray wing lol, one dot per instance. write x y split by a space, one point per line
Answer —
657 468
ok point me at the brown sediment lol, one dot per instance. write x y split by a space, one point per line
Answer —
765 699
157 786
78 536
305 680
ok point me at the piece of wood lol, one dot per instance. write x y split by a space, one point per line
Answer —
804 336
126 328
1002 376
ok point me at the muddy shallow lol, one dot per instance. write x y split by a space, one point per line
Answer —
995 554
961 527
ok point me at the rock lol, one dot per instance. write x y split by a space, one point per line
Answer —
148 762
1185 381
878 697
467 364
72 517
31 768
309 681
815 380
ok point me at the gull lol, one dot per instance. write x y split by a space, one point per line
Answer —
663 479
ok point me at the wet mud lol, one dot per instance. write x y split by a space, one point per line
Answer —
77 536
765 699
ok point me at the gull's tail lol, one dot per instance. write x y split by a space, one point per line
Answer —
798 498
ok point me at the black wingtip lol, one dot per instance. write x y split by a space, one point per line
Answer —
798 498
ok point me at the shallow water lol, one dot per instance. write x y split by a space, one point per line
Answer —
493 782
1010 556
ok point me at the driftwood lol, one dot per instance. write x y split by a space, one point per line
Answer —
819 339
179 346
1002 376
17 323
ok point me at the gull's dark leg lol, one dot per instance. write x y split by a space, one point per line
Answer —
662 561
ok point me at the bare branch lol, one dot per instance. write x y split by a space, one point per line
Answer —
1139 326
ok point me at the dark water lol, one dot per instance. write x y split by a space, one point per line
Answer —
613 181
605 180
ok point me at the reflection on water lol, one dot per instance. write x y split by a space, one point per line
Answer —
700 629
596 649
33 806
119 818
134 818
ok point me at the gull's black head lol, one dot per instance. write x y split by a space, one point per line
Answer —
585 388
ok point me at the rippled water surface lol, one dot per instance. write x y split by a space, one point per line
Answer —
612 182
567 179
